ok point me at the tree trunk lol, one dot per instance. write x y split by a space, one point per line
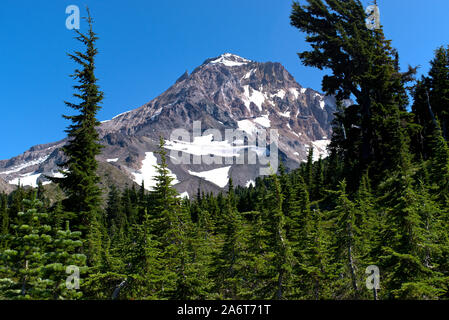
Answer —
365 110
23 292
351 262
280 292
444 129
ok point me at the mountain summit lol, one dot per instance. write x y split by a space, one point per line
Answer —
228 59
225 92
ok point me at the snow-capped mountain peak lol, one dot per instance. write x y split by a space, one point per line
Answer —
230 60
225 92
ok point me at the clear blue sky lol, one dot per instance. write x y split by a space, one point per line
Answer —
146 45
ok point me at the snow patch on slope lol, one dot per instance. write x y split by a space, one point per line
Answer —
219 177
320 149
121 114
28 179
248 75
280 94
294 92
249 183
250 125
26 165
156 114
147 172
254 96
285 114
184 195
58 174
247 126
264 121
322 104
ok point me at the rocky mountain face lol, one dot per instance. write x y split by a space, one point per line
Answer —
5 186
226 93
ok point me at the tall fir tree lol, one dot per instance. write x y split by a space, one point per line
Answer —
439 164
172 226
439 88
80 181
281 260
347 243
225 267
363 65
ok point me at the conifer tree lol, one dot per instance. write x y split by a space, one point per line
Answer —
308 170
129 209
425 118
347 242
317 269
116 219
4 221
164 197
142 258
370 223
225 265
80 181
17 203
363 65
318 188
439 88
61 254
280 265
300 220
172 226
195 250
253 258
22 264
408 274
439 164
57 217
290 206
142 201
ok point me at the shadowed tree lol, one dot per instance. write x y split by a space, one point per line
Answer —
364 66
